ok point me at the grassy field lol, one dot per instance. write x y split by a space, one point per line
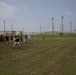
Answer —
51 56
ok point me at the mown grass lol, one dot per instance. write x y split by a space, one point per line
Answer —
51 56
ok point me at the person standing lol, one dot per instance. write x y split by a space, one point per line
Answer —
7 39
11 37
16 41
21 39
29 37
1 38
26 38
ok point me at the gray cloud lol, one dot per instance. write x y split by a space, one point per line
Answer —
69 13
7 10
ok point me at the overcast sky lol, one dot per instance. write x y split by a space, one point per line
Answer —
29 15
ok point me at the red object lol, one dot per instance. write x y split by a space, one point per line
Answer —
18 51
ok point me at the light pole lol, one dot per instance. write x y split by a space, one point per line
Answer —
70 27
62 23
22 30
60 28
40 29
4 27
11 28
52 25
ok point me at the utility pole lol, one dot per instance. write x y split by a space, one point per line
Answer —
70 27
62 23
40 29
4 27
11 28
60 28
23 31
52 25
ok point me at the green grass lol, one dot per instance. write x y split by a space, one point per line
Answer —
51 56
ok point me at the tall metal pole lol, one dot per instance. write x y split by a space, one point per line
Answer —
11 28
60 28
23 31
73 29
62 24
52 26
70 27
4 27
40 29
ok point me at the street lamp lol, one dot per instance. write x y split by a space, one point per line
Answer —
40 29
60 28
62 23
52 25
11 28
4 27
70 27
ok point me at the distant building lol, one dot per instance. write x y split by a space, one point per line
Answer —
50 32
11 32
75 31
45 32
